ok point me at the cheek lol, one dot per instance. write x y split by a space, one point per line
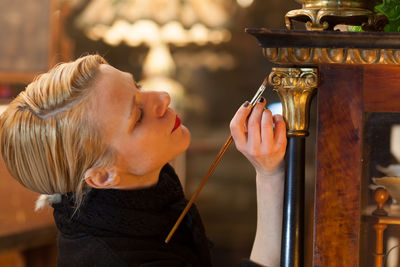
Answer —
135 161
143 155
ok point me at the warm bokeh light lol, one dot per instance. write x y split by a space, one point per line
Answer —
245 3
144 22
158 61
148 32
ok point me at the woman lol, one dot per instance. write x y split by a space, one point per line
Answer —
84 127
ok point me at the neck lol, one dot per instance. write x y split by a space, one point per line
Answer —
130 181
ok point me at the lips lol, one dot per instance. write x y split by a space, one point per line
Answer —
177 123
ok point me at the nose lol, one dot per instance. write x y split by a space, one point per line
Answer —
162 100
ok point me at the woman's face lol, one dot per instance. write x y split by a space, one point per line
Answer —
138 125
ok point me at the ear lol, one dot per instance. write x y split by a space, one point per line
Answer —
101 178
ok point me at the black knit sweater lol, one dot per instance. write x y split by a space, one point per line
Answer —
128 228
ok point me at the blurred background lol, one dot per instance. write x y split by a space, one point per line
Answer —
197 50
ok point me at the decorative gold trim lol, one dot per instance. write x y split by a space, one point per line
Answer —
365 4
295 87
325 15
313 56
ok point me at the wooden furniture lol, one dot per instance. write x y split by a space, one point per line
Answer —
345 97
380 220
356 79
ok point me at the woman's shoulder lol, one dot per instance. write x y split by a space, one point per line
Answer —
91 250
86 250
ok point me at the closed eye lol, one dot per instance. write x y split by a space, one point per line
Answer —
137 119
140 117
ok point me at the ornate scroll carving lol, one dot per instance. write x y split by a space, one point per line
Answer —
328 18
313 56
295 87
322 15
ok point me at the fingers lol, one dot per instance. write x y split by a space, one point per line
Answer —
267 128
261 132
254 124
238 122
262 145
280 132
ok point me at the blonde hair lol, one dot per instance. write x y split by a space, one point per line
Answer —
48 138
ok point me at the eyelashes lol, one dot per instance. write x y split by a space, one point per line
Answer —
139 110
140 117
136 121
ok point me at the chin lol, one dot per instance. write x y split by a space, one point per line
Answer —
186 138
183 143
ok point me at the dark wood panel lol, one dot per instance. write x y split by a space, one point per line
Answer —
325 39
382 88
338 167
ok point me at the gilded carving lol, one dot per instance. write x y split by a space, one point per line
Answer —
322 15
313 56
295 87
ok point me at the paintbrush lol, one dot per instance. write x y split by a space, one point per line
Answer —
256 97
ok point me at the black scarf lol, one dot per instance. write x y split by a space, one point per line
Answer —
143 213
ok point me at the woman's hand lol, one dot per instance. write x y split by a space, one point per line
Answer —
255 136
264 147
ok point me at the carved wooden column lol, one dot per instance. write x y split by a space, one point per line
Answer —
379 228
295 87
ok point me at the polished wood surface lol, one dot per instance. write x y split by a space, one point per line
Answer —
325 39
338 167
388 220
380 196
381 88
379 253
346 95
380 224
380 220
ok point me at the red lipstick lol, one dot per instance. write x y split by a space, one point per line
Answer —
177 123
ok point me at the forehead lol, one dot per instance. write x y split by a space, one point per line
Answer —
111 100
112 95
110 75
112 83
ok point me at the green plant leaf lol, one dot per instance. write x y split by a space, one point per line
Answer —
391 9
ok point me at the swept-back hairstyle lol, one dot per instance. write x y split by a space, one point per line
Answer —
48 137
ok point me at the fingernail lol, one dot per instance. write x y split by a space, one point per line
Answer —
278 118
261 100
246 104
